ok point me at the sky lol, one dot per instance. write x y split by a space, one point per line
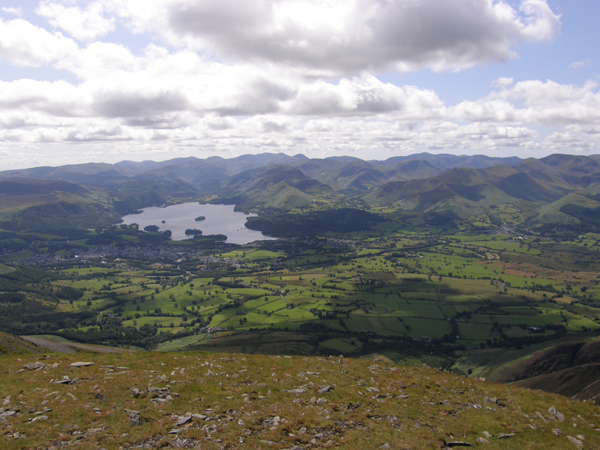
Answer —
113 80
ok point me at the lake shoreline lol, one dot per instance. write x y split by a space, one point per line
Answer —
218 219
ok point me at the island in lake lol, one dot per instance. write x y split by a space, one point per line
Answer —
200 218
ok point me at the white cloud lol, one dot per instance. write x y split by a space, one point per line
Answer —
579 64
541 23
364 95
83 24
243 77
144 106
347 36
503 82
544 103
12 11
24 44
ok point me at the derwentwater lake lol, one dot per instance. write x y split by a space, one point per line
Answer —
219 219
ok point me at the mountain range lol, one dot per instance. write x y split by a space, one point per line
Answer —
558 190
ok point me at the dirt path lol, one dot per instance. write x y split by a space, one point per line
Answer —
57 347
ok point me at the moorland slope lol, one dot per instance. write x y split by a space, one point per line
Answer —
215 401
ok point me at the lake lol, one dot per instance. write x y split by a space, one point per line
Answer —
220 219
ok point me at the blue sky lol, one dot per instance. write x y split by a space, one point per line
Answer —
577 42
108 80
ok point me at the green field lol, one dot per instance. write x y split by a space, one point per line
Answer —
408 291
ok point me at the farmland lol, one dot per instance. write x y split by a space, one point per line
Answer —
444 292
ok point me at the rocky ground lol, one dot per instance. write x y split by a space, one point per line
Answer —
213 401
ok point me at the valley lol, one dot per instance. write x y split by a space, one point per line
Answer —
464 264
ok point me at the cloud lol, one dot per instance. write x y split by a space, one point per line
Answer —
543 103
579 64
285 75
363 95
83 24
347 36
12 11
24 44
362 113
540 23
503 82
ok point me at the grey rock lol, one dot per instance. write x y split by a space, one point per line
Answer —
134 416
458 444
35 419
182 420
556 432
7 414
505 436
160 391
296 391
82 364
34 366
135 392
326 389
575 441
481 440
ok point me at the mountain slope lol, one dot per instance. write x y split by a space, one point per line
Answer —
358 175
279 186
563 173
447 161
212 401
90 173
242 163
464 192
11 345
43 205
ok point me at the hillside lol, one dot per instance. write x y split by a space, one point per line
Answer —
536 187
215 401
10 345
47 205
281 186
28 204
448 161
568 366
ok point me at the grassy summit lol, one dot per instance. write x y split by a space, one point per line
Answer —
216 401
